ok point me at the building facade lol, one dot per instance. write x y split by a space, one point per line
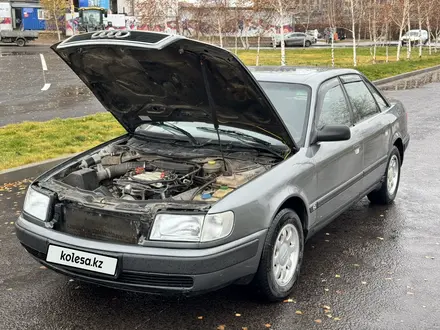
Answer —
22 14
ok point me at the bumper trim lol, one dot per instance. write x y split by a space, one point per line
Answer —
180 271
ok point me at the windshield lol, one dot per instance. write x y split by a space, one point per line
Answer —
413 34
292 101
194 128
92 17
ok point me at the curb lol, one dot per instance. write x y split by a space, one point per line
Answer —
31 170
35 169
406 75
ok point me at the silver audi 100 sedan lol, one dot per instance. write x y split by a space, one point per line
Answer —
223 174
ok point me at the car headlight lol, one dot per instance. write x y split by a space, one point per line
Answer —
36 204
192 228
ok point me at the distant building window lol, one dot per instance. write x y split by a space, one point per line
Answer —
42 14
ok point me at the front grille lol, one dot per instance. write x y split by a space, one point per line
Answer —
101 225
171 281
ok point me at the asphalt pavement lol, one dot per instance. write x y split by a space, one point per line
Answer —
372 268
23 78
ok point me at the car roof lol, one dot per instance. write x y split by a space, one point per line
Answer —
312 76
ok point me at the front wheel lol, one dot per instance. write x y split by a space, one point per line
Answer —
388 190
281 257
308 43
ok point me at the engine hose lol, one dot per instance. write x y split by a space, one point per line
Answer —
120 169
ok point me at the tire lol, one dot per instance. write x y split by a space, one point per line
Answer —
307 43
271 287
387 192
20 42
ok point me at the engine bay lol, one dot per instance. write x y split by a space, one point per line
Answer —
139 171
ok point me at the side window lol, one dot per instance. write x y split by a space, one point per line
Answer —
332 106
383 105
361 99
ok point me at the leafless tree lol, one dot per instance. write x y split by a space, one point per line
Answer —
307 10
284 10
423 9
264 18
400 10
152 13
354 4
408 19
434 20
372 27
332 15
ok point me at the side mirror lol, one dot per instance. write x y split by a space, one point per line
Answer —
331 133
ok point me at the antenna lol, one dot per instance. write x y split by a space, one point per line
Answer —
211 104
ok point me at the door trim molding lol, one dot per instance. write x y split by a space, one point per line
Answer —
338 190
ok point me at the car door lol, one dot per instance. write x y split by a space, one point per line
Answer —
372 125
338 164
299 39
288 39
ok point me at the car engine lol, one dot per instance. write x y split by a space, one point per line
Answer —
134 172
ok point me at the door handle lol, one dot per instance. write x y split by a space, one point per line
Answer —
357 149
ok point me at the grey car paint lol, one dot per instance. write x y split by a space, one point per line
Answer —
319 182
297 39
325 178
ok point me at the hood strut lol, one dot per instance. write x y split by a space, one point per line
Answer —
203 65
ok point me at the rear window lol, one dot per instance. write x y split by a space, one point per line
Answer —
292 101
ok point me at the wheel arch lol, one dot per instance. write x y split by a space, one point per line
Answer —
297 204
398 143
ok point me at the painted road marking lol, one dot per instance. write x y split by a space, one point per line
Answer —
44 66
43 62
45 87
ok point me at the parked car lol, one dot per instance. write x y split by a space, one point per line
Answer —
295 39
314 34
223 174
415 37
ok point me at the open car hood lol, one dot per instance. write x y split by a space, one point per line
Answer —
143 77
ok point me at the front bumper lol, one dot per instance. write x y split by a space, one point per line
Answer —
152 270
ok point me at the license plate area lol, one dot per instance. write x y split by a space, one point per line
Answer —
93 262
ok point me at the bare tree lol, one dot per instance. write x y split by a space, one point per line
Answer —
56 10
153 13
400 9
353 6
220 14
386 17
284 11
423 9
434 19
264 18
307 10
332 15
408 18
372 28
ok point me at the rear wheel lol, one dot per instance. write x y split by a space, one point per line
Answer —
20 42
282 257
388 190
308 43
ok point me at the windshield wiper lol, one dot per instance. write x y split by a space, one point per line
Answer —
236 134
169 126
243 137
